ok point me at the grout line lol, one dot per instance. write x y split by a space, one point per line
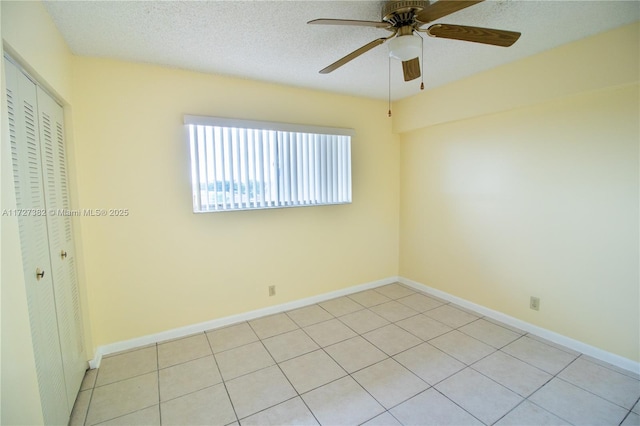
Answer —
126 378
513 409
589 391
298 395
458 405
191 392
388 357
609 366
86 413
529 363
519 360
118 381
350 374
127 414
184 362
544 409
402 366
397 419
554 345
314 305
272 406
556 376
224 383
630 411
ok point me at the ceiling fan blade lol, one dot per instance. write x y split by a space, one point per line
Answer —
411 69
340 62
350 22
475 34
443 8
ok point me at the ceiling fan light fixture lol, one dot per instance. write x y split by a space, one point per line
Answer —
405 47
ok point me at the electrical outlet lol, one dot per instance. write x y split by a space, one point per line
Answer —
272 290
534 303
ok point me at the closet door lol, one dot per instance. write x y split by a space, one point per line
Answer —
32 221
61 246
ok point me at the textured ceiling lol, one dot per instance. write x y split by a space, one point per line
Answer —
271 41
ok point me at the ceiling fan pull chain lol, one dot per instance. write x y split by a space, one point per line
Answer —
421 62
389 59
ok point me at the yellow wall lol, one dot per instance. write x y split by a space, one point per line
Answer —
30 36
540 200
605 60
164 266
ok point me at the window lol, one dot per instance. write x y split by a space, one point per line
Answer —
243 165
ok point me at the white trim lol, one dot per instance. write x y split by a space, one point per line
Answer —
9 57
576 345
221 322
265 125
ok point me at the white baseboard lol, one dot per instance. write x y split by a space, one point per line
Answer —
576 345
221 322
551 336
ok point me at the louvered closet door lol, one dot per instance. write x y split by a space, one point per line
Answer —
61 247
27 174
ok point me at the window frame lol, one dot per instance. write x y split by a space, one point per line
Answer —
280 182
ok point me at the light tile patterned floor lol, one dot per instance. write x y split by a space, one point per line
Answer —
388 356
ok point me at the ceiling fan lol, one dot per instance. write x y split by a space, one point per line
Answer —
405 18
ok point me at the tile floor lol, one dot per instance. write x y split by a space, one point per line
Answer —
389 356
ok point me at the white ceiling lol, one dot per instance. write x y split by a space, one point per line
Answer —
271 41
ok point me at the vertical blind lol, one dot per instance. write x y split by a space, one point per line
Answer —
241 165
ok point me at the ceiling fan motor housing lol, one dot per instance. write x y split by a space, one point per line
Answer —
400 13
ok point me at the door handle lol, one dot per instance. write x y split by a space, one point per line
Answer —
39 274
63 254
